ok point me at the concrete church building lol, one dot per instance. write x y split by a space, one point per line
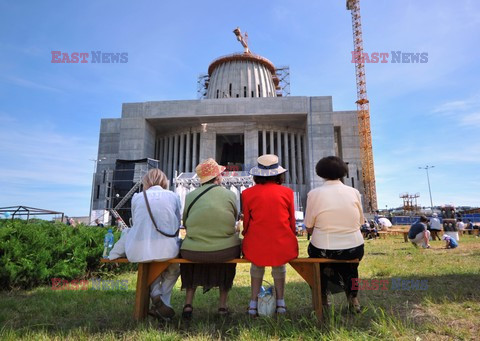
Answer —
242 115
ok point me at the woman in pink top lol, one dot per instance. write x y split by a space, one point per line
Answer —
333 217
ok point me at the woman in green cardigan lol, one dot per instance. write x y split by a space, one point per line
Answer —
209 218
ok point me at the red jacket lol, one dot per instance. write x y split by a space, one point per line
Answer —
269 225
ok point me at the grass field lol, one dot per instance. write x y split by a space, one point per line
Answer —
448 309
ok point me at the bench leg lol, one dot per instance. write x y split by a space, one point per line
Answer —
142 294
317 292
405 237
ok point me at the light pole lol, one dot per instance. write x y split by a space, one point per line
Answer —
95 162
428 180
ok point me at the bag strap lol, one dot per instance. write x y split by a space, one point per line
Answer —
153 220
194 201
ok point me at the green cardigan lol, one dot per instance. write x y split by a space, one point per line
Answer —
211 220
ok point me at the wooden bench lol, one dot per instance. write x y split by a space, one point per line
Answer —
308 268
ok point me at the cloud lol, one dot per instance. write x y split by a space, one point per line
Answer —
30 84
43 167
465 111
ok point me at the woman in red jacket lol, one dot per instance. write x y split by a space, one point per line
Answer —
268 228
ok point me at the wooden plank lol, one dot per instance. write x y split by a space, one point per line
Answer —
142 295
305 270
239 260
317 292
155 270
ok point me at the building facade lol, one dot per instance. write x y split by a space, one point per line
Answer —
241 116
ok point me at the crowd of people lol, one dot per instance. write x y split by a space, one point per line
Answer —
267 223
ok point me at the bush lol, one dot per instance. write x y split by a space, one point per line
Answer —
33 253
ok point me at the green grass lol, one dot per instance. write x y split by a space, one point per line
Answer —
448 309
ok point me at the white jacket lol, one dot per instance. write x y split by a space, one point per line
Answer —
144 243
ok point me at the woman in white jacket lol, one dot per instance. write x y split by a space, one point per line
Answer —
154 237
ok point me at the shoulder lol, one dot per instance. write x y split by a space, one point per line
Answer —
226 192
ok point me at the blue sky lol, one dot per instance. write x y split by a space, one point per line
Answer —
421 114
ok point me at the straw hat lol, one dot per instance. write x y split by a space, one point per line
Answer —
267 166
208 170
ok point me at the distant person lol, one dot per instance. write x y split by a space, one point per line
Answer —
239 224
469 226
435 226
72 222
418 233
450 243
98 223
67 220
334 215
460 227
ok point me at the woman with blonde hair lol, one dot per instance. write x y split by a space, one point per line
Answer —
154 237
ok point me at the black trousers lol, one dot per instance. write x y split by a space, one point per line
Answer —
338 277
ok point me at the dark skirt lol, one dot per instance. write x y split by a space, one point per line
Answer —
209 275
336 278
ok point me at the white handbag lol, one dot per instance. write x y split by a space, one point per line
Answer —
266 302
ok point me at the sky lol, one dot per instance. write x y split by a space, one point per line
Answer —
421 113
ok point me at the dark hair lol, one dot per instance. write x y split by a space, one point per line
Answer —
261 180
210 181
331 168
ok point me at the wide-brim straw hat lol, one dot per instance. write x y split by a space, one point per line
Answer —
267 166
208 170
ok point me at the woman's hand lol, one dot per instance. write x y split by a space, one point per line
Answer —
310 230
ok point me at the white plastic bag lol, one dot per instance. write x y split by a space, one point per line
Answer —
267 304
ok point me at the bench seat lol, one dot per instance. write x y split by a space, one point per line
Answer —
307 268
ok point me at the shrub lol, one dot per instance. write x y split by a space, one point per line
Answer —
33 253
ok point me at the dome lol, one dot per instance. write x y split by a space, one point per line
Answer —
241 75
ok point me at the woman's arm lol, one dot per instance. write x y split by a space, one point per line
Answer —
292 214
246 214
309 220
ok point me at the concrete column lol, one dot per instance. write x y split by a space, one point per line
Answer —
292 159
279 147
170 156
181 154
207 144
165 155
175 155
188 157
250 146
299 157
264 141
159 152
287 163
320 142
272 144
194 151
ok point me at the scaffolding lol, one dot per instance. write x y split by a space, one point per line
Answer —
20 211
283 75
410 202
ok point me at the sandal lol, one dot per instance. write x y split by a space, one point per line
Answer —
223 312
281 309
252 312
354 305
187 314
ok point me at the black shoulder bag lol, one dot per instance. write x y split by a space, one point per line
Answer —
153 220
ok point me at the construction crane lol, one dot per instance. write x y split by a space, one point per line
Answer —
363 110
243 39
